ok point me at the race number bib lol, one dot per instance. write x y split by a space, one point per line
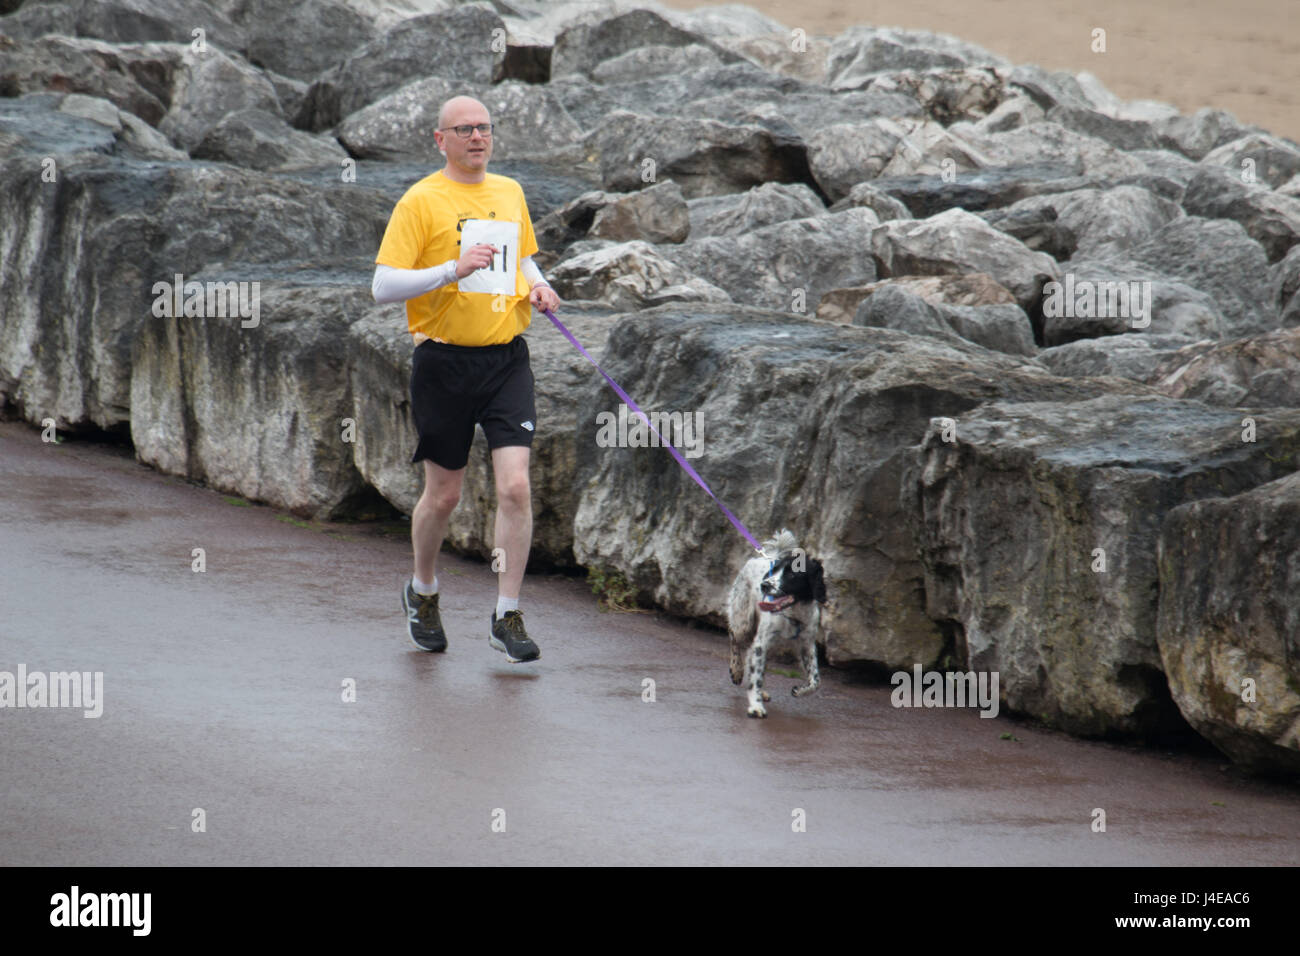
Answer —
499 277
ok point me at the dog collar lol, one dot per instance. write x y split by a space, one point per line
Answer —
770 606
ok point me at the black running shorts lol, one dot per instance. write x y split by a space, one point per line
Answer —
453 387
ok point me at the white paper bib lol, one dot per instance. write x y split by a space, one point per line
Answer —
499 277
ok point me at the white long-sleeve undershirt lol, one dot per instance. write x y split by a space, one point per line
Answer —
398 285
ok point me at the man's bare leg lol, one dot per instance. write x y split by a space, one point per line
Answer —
431 516
514 521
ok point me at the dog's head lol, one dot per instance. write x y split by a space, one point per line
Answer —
793 578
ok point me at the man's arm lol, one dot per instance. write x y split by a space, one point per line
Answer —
532 274
398 285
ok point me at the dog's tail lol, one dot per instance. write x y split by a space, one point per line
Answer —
780 544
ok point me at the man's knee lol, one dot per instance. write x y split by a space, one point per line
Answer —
441 491
441 501
514 491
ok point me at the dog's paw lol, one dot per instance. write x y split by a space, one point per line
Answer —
799 691
766 696
757 712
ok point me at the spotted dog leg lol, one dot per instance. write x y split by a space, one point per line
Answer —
736 666
808 658
755 665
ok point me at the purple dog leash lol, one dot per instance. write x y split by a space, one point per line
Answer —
636 408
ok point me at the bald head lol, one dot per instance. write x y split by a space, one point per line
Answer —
450 114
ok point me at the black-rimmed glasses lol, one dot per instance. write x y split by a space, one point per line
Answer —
465 132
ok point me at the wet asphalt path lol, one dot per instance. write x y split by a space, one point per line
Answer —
224 691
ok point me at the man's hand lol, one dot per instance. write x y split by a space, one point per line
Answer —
475 258
544 297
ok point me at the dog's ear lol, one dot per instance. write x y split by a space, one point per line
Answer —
818 583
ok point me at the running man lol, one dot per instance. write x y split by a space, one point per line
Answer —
458 251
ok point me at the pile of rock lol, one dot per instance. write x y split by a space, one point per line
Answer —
1018 359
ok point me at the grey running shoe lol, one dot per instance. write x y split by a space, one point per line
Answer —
509 636
422 619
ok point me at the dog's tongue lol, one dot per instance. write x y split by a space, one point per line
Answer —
778 604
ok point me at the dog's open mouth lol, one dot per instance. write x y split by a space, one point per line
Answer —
776 603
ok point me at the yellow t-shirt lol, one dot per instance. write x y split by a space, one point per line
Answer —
487 307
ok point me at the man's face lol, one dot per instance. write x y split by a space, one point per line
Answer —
469 156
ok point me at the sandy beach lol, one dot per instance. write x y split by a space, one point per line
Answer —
1242 56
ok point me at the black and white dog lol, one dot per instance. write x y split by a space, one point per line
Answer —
775 598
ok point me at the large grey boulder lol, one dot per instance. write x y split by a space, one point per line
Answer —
1039 227
125 21
254 411
1168 172
256 139
957 241
738 93
806 425
52 124
1014 111
1284 283
1115 296
306 37
1258 371
1229 622
739 213
656 214
982 189
1270 218
704 157
655 60
206 87
1103 221
799 112
787 265
1135 357
1196 135
118 228
1002 328
871 196
1123 134
947 96
860 53
1257 157
842 155
972 289
630 275
527 120
584 46
135 77
1217 257
1038 531
1049 89
727 21
458 44
777 53
1049 142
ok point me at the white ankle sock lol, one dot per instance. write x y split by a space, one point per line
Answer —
422 588
505 604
